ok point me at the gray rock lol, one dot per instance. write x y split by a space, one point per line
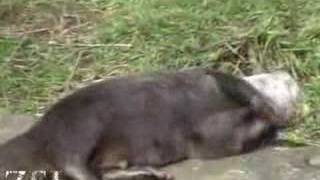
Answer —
314 161
14 125
276 163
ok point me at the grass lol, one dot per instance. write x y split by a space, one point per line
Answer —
48 48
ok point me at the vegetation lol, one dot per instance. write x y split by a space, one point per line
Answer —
48 48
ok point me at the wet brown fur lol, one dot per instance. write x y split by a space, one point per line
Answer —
145 120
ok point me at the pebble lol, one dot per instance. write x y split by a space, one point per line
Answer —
314 161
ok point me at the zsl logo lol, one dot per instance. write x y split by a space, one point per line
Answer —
27 175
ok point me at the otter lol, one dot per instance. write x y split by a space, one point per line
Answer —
125 127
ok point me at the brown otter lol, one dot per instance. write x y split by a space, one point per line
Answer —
145 121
